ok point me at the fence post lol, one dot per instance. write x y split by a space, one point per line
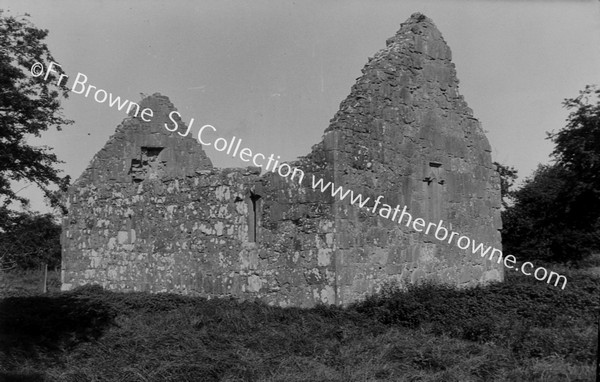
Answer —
45 289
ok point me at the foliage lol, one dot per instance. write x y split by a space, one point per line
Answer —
539 224
28 240
28 106
508 175
577 152
555 215
531 318
523 330
578 144
21 283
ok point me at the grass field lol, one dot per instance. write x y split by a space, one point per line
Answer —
520 330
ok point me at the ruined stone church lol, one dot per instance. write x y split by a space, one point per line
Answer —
151 213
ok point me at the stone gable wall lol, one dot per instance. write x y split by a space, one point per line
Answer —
405 133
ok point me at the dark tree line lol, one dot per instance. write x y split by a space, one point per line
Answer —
29 240
29 105
555 214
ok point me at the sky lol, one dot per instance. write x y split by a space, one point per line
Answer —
275 72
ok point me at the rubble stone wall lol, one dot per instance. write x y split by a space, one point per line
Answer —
139 220
405 133
151 213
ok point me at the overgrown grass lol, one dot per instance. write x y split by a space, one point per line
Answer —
526 316
521 330
27 283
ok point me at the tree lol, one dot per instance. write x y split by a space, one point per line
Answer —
28 240
556 213
508 175
29 105
577 151
534 227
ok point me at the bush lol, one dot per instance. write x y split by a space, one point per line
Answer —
532 318
521 330
28 240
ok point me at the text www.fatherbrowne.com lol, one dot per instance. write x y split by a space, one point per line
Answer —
440 232
396 214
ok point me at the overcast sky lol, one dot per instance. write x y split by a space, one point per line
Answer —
275 72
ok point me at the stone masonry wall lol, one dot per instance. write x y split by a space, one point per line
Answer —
405 133
140 220
151 213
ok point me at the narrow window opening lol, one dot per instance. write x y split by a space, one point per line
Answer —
253 217
434 191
